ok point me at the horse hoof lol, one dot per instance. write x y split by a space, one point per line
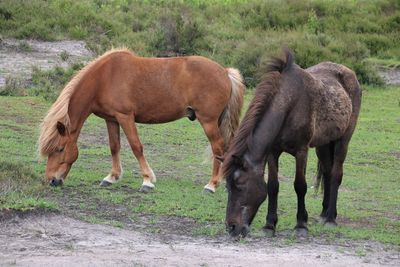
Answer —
269 232
301 232
105 183
207 191
145 189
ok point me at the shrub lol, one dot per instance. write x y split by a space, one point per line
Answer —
48 84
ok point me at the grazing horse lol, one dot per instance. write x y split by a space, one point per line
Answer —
293 109
123 88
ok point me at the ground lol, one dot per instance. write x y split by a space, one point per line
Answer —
57 240
60 239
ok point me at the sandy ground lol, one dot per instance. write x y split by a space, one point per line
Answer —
56 240
17 57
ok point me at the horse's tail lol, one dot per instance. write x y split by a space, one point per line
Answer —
229 119
318 178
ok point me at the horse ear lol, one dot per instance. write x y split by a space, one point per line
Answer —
220 158
61 128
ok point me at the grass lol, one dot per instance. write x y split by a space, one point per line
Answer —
368 200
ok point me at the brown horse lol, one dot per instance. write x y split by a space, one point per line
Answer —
123 89
293 109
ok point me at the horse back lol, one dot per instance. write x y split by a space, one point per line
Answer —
336 99
159 90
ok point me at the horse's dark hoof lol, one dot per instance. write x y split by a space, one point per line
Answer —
145 189
105 183
207 191
301 232
269 232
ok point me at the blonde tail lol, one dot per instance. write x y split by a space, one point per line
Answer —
230 117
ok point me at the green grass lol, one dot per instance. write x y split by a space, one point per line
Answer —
368 200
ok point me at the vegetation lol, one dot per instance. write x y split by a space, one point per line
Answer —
233 32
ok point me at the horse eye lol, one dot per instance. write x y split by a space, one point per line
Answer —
60 150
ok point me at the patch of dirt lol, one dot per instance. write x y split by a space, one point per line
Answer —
17 57
390 76
56 240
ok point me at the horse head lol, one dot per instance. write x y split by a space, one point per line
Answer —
60 160
247 190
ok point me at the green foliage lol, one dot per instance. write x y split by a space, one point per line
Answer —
313 25
234 32
49 83
13 87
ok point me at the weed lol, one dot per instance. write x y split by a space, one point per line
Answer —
14 87
64 55
24 46
360 252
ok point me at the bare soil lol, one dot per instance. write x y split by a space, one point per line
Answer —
17 57
56 240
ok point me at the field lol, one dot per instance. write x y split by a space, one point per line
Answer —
368 200
361 34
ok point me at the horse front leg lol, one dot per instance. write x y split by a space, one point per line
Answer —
273 190
300 186
129 127
115 146
217 146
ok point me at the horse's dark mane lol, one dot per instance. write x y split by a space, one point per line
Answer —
265 92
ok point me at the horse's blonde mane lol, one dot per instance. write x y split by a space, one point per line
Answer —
49 136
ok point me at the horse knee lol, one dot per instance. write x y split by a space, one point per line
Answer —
300 187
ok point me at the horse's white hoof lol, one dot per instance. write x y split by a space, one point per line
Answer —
146 187
209 189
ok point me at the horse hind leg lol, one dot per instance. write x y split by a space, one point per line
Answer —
115 146
339 155
129 127
325 158
217 145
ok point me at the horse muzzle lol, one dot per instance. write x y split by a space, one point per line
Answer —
56 182
235 230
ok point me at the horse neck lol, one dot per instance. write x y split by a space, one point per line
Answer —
79 109
264 136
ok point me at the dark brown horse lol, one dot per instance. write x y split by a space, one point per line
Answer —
123 89
293 109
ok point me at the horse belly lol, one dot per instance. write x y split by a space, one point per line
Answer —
160 112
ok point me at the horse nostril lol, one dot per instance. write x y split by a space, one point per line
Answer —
55 182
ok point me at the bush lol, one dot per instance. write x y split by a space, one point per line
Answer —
13 87
48 84
233 32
